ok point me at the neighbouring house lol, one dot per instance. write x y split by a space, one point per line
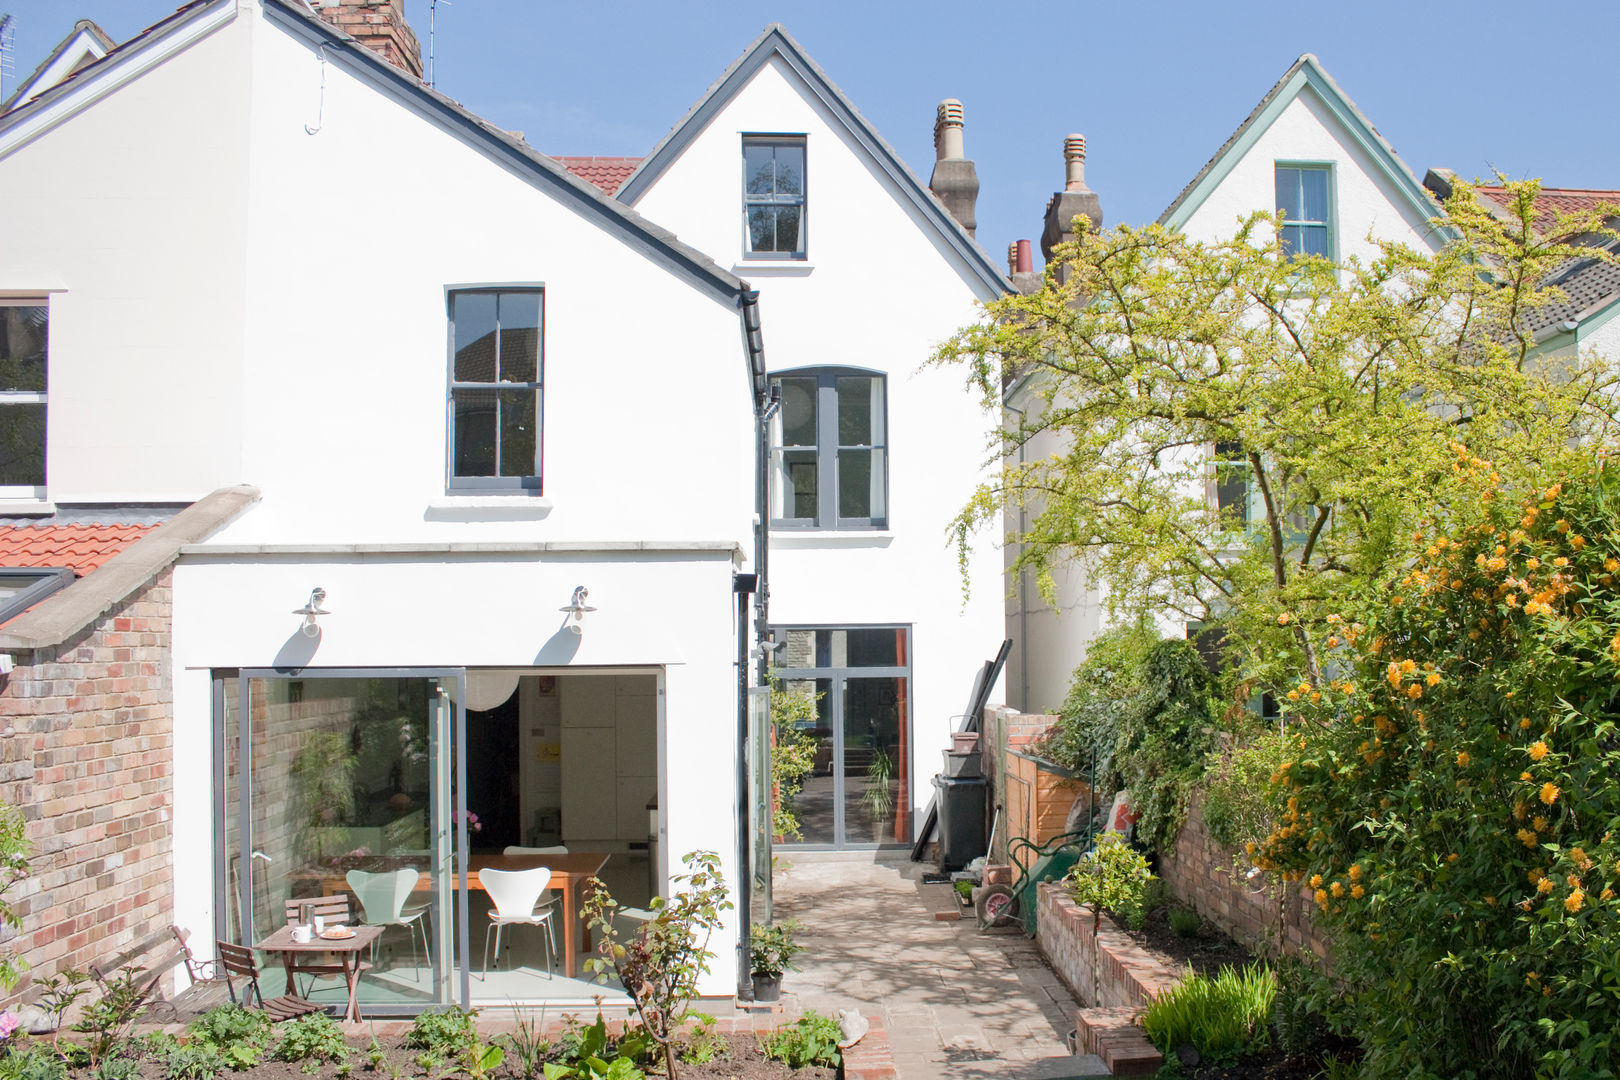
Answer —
1305 151
777 177
446 466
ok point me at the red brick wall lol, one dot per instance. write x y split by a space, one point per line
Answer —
86 735
1200 874
1127 975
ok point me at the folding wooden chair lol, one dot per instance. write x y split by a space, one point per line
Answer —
238 962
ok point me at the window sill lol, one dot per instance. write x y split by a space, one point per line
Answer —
773 268
26 508
487 508
831 538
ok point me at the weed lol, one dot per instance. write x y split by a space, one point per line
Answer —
702 1044
1221 1016
1184 922
445 1034
528 1045
810 1040
310 1040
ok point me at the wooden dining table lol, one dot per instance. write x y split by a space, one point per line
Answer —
347 949
569 873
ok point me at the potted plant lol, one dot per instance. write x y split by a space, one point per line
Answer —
877 796
771 950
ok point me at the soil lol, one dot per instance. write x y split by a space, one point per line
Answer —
1208 952
743 1061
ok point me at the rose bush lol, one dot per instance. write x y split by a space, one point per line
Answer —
1452 798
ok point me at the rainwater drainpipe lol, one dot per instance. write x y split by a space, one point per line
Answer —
1023 578
743 585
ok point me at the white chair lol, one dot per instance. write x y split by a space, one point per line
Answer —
514 893
385 899
556 849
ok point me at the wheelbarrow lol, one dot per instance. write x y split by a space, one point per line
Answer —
1002 905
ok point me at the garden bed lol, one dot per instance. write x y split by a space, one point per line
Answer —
1207 951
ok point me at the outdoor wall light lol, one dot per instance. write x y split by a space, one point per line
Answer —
577 607
310 610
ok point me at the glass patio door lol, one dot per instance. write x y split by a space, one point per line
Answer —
858 790
346 782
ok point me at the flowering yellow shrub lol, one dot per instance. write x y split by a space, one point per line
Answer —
1471 792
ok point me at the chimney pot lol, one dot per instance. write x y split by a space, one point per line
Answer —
1074 163
1023 259
1012 257
948 131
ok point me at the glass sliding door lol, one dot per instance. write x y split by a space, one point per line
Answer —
858 790
342 784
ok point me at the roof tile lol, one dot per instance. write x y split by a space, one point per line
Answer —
1564 200
82 548
607 173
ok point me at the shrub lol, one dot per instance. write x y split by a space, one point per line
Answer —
1102 687
1222 1015
1113 877
771 949
1184 923
236 1034
311 1040
106 1022
1241 806
444 1034
1453 809
812 1039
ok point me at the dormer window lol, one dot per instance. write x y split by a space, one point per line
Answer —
773 196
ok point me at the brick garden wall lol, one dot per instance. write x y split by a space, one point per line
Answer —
86 735
1199 873
1128 975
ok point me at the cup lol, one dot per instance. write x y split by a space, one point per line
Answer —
302 934
319 923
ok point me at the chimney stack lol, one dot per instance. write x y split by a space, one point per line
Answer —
955 180
1075 199
1021 267
380 26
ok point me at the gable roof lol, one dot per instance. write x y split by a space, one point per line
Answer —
85 44
1553 200
607 173
174 33
1306 72
775 42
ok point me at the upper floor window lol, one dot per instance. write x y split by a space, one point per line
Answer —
497 362
1234 485
829 452
773 196
1305 201
24 354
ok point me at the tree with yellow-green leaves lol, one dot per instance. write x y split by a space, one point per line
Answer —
1333 396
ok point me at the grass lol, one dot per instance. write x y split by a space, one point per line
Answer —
1222 1015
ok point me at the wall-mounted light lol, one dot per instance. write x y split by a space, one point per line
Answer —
310 610
576 608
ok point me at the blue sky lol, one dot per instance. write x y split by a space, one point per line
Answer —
1155 87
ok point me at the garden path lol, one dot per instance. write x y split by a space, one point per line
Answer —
955 1003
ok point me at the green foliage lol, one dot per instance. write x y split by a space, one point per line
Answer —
1163 739
1102 688
1297 1022
1453 809
153 1044
59 992
771 949
480 1059
877 797
236 1034
118 1068
701 1043
812 1039
1241 806
106 1022
1337 389
195 1061
589 1054
1222 1016
529 1046
445 1034
32 1061
794 716
1184 923
1113 877
660 963
13 868
311 1040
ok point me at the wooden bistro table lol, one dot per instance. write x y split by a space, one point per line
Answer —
569 873
347 949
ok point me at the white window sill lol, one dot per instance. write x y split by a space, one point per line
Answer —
773 268
831 538
26 508
487 508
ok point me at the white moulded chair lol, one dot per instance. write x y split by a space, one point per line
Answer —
385 899
555 849
514 893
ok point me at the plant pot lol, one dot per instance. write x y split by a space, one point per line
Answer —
767 987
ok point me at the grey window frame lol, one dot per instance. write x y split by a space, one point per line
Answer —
827 447
26 492
44 582
1330 224
801 200
493 485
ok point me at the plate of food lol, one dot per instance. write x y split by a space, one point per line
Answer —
337 933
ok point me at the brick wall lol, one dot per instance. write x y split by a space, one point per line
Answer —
86 734
1199 873
1127 976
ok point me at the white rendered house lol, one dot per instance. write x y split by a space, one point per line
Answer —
487 593
776 176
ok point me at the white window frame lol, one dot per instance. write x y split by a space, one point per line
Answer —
31 492
493 485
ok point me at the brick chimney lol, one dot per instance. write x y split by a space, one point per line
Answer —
1073 200
955 180
380 26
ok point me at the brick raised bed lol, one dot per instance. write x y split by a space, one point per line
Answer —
1128 974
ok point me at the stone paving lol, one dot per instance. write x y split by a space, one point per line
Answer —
956 1003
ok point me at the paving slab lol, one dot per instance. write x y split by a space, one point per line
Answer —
955 1002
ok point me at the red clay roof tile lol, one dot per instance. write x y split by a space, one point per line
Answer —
606 173
1566 200
80 547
